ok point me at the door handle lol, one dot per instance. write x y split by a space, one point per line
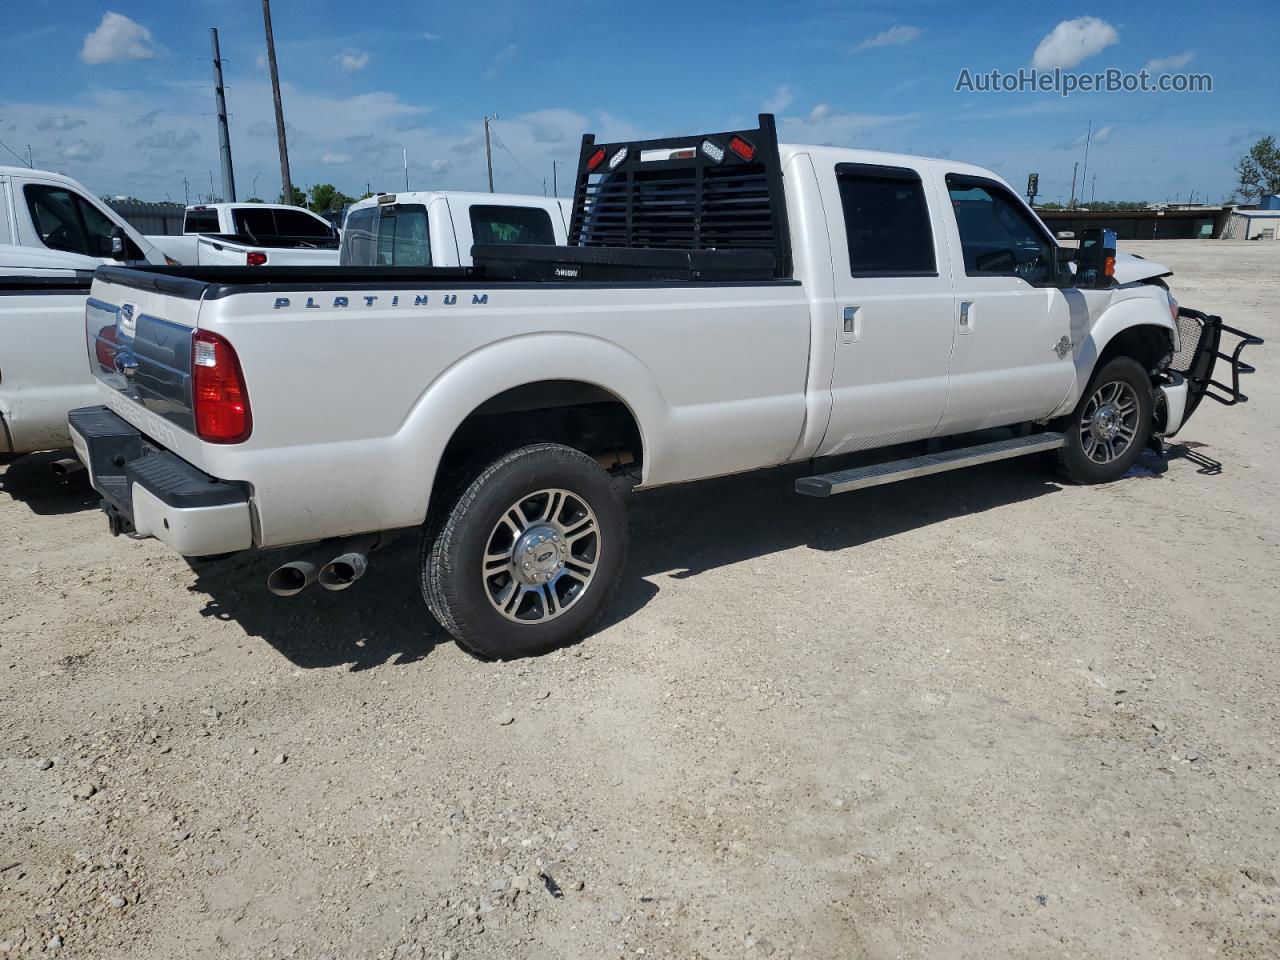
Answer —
966 316
852 329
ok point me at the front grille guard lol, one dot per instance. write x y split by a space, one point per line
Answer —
1200 335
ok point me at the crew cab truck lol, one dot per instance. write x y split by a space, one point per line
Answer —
253 235
53 234
724 304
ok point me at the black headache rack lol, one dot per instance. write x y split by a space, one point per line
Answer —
705 207
1201 347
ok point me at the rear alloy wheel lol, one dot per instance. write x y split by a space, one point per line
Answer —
528 556
1110 425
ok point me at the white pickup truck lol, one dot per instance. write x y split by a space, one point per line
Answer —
53 234
438 228
724 304
252 235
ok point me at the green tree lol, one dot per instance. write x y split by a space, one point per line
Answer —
1259 169
299 197
326 197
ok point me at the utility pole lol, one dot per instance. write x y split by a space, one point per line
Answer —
1074 168
1087 140
286 184
488 151
1093 190
224 135
555 187
186 192
29 163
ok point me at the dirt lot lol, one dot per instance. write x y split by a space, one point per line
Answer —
977 715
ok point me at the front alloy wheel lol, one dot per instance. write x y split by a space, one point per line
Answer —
1109 421
1110 425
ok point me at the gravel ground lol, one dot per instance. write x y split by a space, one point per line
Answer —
975 715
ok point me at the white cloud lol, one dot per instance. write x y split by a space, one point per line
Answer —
893 37
1073 41
782 98
1175 62
118 38
502 56
352 60
430 36
1101 135
825 124
335 159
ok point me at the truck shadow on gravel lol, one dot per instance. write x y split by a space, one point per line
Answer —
682 532
379 619
31 480
676 533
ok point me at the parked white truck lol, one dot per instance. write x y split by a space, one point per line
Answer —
252 235
438 228
723 305
53 234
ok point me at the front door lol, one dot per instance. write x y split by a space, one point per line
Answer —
894 307
1012 361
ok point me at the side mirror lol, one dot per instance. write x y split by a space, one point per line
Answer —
1096 259
119 248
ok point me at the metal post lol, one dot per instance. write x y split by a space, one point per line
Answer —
224 135
1074 168
555 188
1087 140
405 151
488 151
286 184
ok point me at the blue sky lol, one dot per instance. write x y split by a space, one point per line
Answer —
119 95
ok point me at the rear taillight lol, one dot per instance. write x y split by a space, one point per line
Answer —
255 258
104 349
219 396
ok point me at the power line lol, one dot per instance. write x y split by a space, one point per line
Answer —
498 140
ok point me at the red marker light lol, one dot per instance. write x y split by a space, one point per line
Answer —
255 258
742 148
597 158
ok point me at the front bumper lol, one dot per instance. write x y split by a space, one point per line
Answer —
148 491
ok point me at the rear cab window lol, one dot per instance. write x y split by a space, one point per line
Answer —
997 235
271 222
200 221
886 220
494 223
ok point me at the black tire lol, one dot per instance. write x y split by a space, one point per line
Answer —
1081 459
463 533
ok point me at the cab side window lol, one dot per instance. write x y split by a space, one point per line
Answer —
886 221
58 222
997 236
359 238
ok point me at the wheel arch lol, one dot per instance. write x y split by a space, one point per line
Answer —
537 372
1140 327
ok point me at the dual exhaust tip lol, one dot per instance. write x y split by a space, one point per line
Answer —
290 579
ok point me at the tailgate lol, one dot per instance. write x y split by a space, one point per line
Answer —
138 327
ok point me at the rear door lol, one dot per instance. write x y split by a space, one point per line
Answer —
894 305
1012 360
